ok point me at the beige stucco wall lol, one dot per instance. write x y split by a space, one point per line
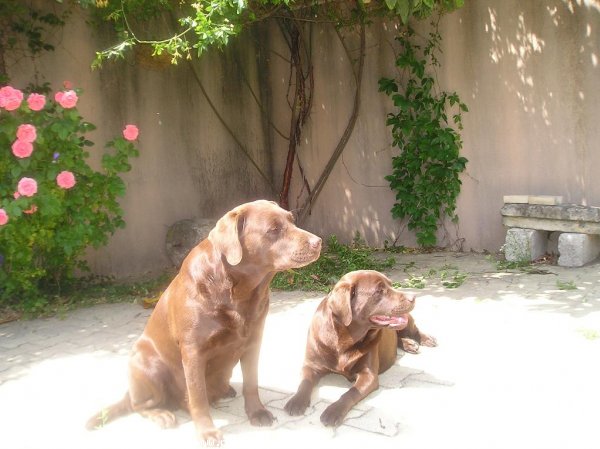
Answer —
530 74
528 70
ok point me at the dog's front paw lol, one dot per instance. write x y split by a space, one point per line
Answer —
297 405
334 415
211 437
261 418
428 340
165 419
409 345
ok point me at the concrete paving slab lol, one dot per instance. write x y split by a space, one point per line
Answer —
516 367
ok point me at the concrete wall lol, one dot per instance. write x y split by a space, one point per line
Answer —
528 70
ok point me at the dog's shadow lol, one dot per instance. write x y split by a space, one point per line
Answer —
332 386
398 385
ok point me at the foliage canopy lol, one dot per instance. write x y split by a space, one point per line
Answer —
198 25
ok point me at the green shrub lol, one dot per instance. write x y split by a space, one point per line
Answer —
336 260
53 205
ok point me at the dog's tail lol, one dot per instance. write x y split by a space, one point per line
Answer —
110 413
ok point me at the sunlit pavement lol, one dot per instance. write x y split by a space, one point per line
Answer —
517 366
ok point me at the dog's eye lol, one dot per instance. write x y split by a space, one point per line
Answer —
274 230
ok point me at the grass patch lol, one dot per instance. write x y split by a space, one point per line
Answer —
504 265
90 291
590 334
566 285
524 266
336 260
412 282
450 278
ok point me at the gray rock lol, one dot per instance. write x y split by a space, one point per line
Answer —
183 235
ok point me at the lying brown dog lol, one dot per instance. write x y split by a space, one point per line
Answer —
210 317
354 332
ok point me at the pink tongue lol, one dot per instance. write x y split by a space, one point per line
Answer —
392 321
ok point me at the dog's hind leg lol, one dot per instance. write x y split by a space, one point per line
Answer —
149 390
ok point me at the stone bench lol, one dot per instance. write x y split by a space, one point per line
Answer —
572 231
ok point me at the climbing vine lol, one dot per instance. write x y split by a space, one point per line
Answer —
202 24
425 174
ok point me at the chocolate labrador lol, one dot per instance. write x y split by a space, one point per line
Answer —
210 317
354 332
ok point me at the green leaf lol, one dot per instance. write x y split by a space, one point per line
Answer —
387 85
49 205
391 4
15 172
403 10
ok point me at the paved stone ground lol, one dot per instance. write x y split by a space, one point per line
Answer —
518 366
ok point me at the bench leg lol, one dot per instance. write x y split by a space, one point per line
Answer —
525 244
577 249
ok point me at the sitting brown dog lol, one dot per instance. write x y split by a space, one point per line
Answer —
210 317
355 332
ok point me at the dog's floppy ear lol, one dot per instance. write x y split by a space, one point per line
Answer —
340 300
226 236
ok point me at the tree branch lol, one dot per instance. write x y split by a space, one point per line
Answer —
226 126
307 206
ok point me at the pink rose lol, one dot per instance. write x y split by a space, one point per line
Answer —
36 102
17 195
22 149
10 98
67 99
3 217
27 187
131 132
26 133
65 179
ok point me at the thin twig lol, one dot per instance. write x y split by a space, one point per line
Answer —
306 208
229 130
358 182
260 106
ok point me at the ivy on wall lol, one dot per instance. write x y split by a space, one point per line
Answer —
426 172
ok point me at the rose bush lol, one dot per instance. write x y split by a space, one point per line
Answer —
53 205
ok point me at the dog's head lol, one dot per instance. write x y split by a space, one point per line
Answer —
263 235
367 297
